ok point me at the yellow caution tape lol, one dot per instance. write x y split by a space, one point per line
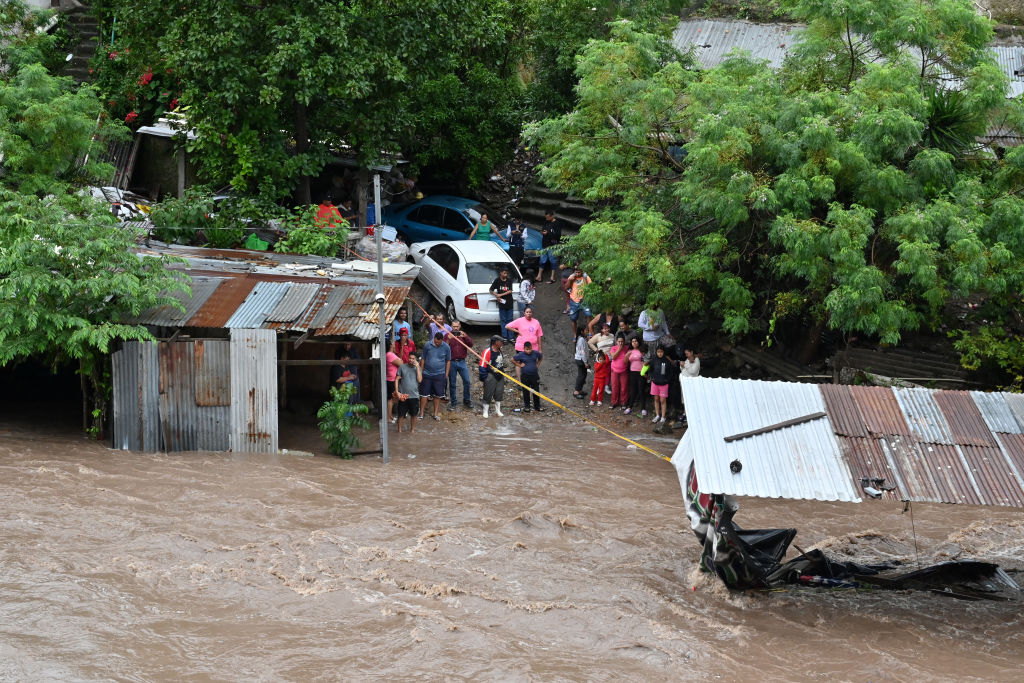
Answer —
550 400
573 412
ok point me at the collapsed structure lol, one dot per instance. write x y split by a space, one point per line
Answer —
841 443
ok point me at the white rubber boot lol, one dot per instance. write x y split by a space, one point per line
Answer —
487 407
497 409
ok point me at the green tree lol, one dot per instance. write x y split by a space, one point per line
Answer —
272 89
560 29
69 278
338 416
837 191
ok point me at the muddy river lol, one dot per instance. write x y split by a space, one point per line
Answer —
514 552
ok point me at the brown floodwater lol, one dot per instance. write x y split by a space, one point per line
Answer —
503 553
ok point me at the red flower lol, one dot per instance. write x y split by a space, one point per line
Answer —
131 117
145 78
113 55
174 103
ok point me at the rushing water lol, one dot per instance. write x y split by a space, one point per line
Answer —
507 554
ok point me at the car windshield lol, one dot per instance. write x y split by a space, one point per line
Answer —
486 273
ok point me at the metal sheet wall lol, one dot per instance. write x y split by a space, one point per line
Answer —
135 375
172 397
254 391
177 397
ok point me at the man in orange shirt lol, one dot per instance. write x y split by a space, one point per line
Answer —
327 215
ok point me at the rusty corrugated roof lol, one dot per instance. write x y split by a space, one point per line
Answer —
304 320
992 476
842 410
880 410
867 459
222 304
931 445
964 418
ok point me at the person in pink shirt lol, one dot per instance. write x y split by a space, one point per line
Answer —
528 329
392 362
620 371
636 380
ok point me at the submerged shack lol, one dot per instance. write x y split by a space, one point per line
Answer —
843 443
256 328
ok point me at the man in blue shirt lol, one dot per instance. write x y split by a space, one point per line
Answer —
528 362
437 362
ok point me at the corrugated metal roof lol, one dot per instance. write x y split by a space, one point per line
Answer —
263 298
995 410
1015 402
921 413
866 458
168 316
932 445
304 321
994 480
965 420
1012 446
355 305
801 461
294 302
842 410
881 412
219 308
335 298
713 39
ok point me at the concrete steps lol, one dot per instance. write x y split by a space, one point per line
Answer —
87 29
538 199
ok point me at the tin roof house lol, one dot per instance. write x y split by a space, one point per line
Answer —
220 370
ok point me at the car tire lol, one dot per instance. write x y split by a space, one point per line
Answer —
449 309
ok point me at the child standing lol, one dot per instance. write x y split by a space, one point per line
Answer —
620 372
582 363
662 370
636 363
602 368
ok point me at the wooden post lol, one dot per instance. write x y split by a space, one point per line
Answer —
282 377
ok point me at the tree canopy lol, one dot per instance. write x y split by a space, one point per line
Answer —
272 89
845 190
69 279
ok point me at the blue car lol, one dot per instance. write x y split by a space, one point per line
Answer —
447 218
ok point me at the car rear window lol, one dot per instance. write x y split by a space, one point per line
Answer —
486 273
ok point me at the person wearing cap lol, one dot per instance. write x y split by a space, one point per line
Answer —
437 363
494 382
404 345
327 215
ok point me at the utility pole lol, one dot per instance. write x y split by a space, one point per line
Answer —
381 300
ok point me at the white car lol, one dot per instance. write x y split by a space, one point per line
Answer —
460 275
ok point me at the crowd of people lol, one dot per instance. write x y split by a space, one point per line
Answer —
632 370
